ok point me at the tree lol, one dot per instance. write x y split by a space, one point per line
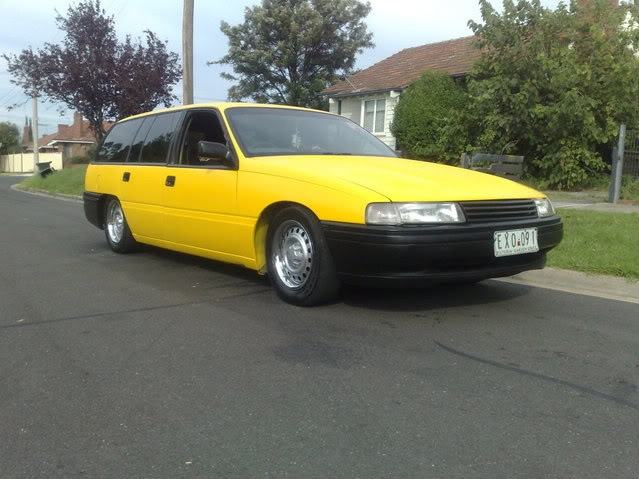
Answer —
427 122
9 137
95 74
287 51
554 85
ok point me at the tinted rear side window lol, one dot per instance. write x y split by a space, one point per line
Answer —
143 131
158 140
115 147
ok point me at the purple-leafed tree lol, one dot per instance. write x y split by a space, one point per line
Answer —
92 72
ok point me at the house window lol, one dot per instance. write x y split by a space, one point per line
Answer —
374 112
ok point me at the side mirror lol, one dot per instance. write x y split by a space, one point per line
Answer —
212 150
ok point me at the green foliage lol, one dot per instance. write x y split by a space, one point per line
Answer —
9 137
629 188
554 85
287 51
78 160
428 121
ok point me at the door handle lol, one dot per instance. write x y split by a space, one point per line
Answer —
126 176
170 181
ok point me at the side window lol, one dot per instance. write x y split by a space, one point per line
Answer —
201 126
136 146
158 140
115 147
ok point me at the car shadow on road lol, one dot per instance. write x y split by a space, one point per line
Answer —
233 271
382 299
435 297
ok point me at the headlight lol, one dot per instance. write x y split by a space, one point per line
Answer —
544 207
413 213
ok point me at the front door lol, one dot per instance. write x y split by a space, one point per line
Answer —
200 194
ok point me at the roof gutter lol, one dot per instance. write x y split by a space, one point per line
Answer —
363 92
81 142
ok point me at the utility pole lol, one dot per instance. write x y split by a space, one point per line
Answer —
187 52
36 156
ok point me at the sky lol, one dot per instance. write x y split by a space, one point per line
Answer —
395 24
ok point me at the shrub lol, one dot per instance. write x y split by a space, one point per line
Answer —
78 160
553 85
428 119
571 166
629 188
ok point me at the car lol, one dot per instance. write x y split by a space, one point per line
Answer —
309 198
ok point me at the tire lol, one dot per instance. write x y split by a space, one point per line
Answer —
116 229
300 265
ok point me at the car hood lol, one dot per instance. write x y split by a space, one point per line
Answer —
397 179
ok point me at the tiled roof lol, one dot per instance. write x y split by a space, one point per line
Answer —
78 132
454 57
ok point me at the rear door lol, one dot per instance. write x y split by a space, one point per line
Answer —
144 175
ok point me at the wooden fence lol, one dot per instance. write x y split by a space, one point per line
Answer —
506 166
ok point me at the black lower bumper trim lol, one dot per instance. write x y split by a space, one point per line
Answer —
405 256
93 208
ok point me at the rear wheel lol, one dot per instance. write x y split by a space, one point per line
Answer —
116 229
300 265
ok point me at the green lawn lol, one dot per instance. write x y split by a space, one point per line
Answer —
601 243
69 181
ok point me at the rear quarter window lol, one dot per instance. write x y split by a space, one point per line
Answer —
158 140
140 137
116 145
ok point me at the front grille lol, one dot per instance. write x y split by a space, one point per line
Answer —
499 210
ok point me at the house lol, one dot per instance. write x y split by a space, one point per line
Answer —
71 140
369 97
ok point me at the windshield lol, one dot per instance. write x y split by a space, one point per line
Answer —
279 131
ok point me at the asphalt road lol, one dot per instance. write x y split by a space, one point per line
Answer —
160 365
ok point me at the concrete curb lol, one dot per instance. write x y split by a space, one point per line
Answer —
46 194
609 287
601 207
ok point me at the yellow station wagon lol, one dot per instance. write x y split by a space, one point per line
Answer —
310 198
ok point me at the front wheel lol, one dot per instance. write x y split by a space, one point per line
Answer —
300 265
116 229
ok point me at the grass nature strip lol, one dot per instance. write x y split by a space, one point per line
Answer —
68 181
599 243
594 242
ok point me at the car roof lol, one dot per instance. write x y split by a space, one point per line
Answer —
221 106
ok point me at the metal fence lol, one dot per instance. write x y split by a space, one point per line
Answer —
631 153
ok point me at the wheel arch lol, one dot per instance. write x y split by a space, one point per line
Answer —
261 230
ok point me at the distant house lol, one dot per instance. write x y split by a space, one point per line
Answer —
369 97
71 140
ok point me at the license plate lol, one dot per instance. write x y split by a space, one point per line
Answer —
511 242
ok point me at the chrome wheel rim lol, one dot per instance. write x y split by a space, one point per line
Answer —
115 222
293 254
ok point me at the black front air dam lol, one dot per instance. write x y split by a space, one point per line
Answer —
422 255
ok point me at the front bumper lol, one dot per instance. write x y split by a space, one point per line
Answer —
422 255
